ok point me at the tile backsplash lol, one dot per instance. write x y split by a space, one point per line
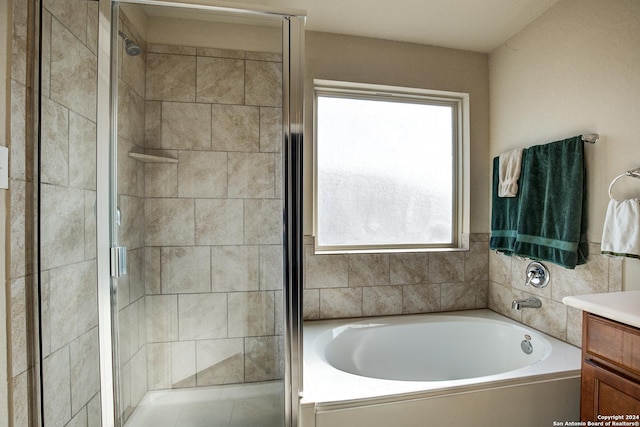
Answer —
356 285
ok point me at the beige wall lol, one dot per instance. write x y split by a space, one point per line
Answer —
575 69
366 60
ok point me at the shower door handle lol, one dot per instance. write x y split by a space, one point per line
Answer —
118 261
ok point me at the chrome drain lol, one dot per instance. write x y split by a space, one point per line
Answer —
526 346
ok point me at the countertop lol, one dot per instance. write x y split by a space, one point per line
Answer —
623 307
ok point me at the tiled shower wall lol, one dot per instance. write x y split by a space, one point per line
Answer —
212 221
130 288
68 264
356 285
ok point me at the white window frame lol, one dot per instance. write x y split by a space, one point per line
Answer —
461 212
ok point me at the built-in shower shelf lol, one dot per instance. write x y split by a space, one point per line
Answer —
148 158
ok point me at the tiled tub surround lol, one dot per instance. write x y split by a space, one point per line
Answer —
507 282
211 251
356 285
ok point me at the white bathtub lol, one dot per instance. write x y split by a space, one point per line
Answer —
445 369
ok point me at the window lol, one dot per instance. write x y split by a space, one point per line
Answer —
387 168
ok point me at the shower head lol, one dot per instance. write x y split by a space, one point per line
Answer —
130 46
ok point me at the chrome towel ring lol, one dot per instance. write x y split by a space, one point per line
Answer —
635 173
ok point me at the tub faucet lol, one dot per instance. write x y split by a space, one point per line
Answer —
532 302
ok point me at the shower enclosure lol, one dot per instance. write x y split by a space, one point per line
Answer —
169 206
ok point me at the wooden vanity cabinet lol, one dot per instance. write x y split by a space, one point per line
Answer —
610 383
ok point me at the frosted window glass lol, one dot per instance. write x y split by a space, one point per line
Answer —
384 172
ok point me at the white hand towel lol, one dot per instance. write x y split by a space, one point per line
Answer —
621 231
510 164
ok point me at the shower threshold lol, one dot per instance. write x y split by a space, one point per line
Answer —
234 405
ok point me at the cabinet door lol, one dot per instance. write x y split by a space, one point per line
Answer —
607 393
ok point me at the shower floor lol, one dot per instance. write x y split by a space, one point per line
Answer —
237 405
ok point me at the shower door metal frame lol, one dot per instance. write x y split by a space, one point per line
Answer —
293 129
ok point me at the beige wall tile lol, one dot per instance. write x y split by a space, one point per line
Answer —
159 365
152 270
235 268
176 50
202 316
130 174
185 269
220 53
20 157
89 225
185 126
263 83
368 269
72 14
420 298
133 71
162 318
152 124
499 268
18 227
500 299
550 318
160 180
263 358
381 300
219 222
85 369
138 376
251 314
458 296
20 400
169 222
270 129
131 114
18 327
271 267
72 293
263 222
476 262
202 174
220 361
73 77
220 80
57 387
264 56
55 143
446 267
183 364
131 229
251 175
82 152
20 20
170 77
311 304
574 326
340 302
325 271
409 269
235 128
590 278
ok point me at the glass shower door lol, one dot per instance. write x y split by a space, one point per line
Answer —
198 204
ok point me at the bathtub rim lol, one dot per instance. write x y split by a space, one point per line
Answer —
376 391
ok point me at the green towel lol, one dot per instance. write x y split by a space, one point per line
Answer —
552 220
504 215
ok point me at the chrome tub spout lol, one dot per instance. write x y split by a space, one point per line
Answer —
533 302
